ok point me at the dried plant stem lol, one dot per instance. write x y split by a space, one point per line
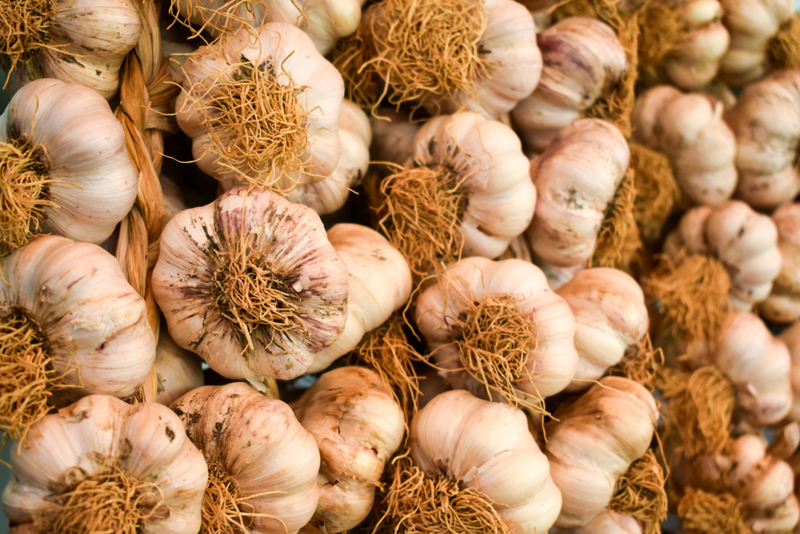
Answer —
640 493
641 363
25 27
619 241
657 190
783 51
704 513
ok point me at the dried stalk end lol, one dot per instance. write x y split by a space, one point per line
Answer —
257 302
25 27
693 295
701 513
421 210
640 493
220 22
699 409
619 241
406 50
107 501
641 363
420 503
495 340
657 190
783 51
661 30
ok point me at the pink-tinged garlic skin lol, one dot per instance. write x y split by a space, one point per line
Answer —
791 337
292 51
783 303
766 122
487 445
610 315
96 324
606 522
393 136
744 241
85 145
358 426
594 441
146 440
576 178
583 59
690 131
379 284
751 25
259 441
292 240
549 369
179 371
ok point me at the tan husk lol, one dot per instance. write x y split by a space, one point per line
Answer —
641 363
701 513
783 51
415 49
656 190
640 493
24 28
619 240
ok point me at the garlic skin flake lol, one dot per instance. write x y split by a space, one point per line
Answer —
201 288
783 303
358 426
146 442
178 371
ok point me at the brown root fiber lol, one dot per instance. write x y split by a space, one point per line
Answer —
618 241
692 295
107 501
783 51
422 503
657 190
408 50
661 30
698 409
223 507
640 493
641 363
703 513
421 210
25 27
221 21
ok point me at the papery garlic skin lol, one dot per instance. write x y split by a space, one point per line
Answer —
606 522
290 240
791 337
379 284
690 131
393 136
576 178
766 122
173 196
751 25
146 441
610 315
358 426
95 183
259 442
583 59
95 323
89 40
330 194
179 371
744 241
783 303
594 441
487 445
548 370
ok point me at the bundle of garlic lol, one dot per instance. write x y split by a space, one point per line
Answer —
783 303
467 191
70 326
178 371
262 464
765 121
75 41
358 427
251 284
496 329
102 465
446 56
64 164
262 108
583 63
690 131
475 464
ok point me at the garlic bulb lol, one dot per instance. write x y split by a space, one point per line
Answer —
577 177
393 136
262 464
791 338
765 122
451 56
497 327
102 465
690 131
606 522
583 60
783 303
610 315
330 194
467 190
71 326
752 25
179 371
262 108
593 441
75 41
379 283
251 284
66 169
358 427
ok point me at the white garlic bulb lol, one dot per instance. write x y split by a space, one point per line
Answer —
606 522
783 303
178 371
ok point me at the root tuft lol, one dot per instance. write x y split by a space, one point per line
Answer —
661 30
701 513
219 22
783 51
25 27
641 363
619 241
640 493
656 191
